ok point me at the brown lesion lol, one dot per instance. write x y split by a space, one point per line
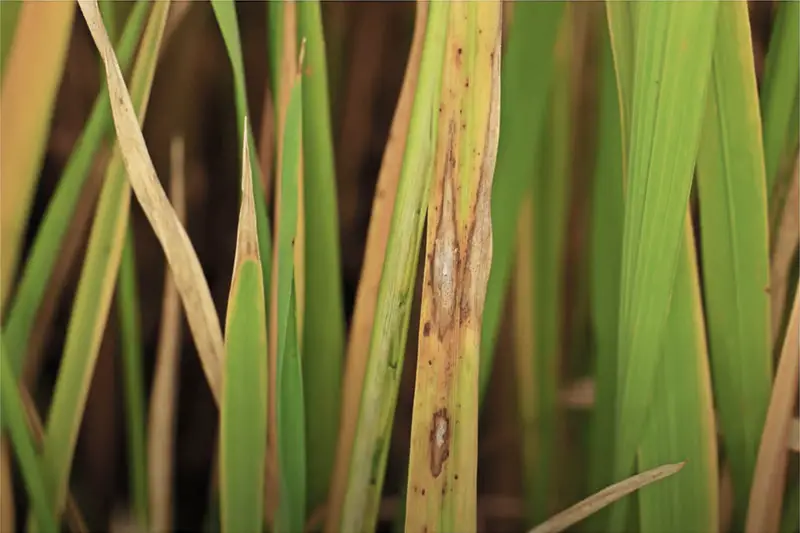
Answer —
439 440
445 261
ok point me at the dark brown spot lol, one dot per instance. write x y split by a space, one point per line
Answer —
439 440
426 329
423 492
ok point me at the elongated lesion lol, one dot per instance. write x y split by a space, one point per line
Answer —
445 261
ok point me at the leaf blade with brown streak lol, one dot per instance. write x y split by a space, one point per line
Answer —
366 460
243 410
441 494
369 281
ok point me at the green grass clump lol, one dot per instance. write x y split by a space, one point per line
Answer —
648 148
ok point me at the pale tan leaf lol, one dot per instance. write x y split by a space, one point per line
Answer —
184 264
769 478
160 443
609 495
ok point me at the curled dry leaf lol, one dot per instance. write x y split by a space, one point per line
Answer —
184 264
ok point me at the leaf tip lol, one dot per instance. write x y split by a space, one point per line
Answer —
247 236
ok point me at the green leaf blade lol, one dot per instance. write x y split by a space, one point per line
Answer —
225 13
47 244
16 425
243 423
672 65
289 380
735 248
323 324
95 289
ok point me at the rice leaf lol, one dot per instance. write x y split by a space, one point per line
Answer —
668 100
367 458
9 15
289 378
7 507
132 359
30 463
95 288
284 57
606 254
443 462
108 10
597 501
47 244
769 479
735 247
550 195
28 96
323 322
783 259
522 117
779 106
181 257
225 13
680 419
243 411
369 281
163 398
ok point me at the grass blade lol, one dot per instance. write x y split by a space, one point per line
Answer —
735 247
766 494
369 281
550 196
9 15
132 358
225 13
522 116
784 258
779 101
592 504
367 459
289 377
47 244
442 482
161 430
243 411
668 100
284 63
606 252
7 509
680 420
95 288
15 423
28 96
323 323
182 259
